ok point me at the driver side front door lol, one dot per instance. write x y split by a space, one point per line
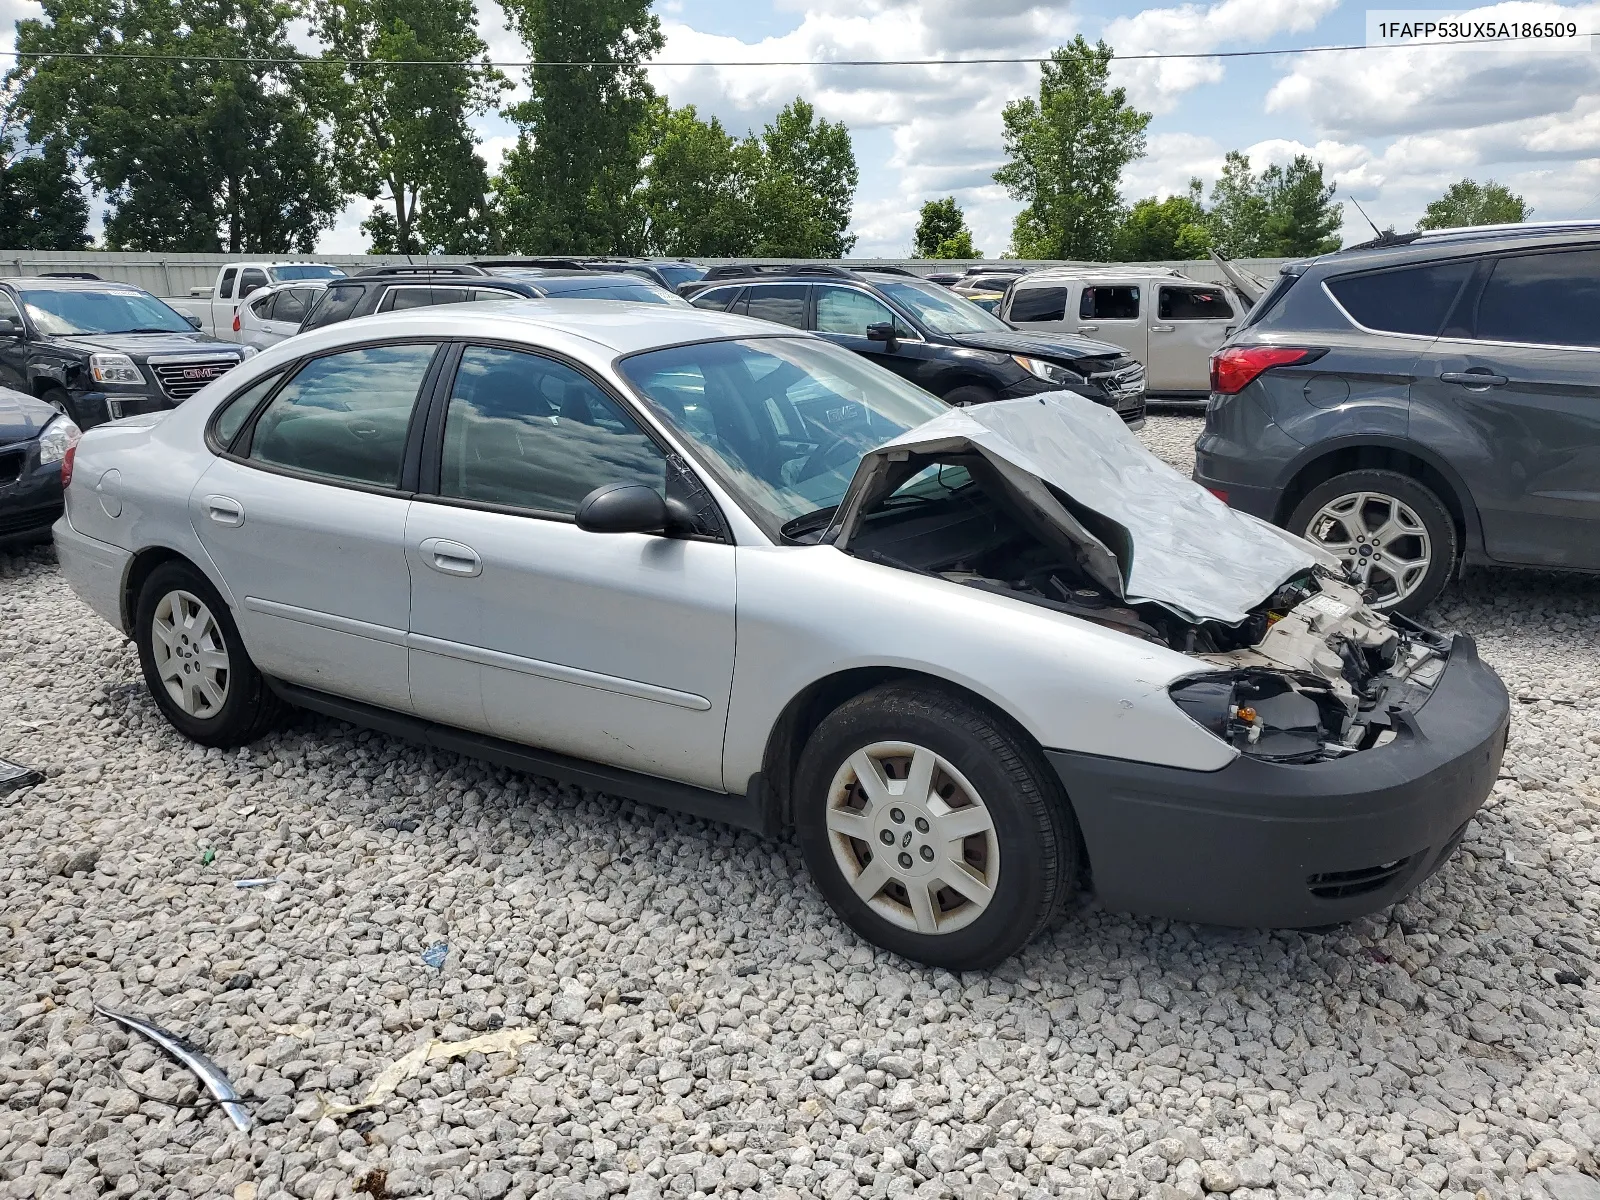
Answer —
617 648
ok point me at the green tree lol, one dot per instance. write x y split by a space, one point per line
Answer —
697 183
42 204
804 185
569 184
1067 150
401 133
1284 212
1238 213
1472 203
942 231
193 155
1302 218
1154 230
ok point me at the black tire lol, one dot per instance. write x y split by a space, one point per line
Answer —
1033 826
58 399
969 394
249 707
1430 511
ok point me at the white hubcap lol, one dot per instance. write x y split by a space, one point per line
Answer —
913 837
191 657
1379 539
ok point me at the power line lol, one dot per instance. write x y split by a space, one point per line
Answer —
525 64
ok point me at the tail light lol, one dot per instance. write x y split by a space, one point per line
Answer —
1234 367
66 464
236 320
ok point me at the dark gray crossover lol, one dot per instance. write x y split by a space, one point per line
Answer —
1420 403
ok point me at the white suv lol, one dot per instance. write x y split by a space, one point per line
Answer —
1169 322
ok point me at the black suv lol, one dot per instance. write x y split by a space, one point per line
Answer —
96 350
394 288
925 332
1420 402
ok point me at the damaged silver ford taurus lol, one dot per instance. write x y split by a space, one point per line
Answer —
977 658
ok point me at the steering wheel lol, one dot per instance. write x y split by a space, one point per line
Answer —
825 457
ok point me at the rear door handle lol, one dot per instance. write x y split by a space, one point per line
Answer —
1087 328
452 558
224 510
1161 329
1474 379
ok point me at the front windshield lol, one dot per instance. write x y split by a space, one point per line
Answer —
639 293
782 420
940 309
68 311
291 271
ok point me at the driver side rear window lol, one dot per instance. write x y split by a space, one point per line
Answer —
1115 303
344 416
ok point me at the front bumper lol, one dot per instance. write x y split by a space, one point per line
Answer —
30 501
98 407
1129 408
1295 845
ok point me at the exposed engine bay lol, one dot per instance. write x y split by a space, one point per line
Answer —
1310 673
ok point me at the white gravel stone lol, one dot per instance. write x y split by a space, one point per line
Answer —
705 1022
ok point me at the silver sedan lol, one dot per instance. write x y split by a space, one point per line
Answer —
975 658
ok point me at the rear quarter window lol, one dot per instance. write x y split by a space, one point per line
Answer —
1412 300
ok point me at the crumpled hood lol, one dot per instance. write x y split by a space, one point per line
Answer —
1064 346
1147 533
22 418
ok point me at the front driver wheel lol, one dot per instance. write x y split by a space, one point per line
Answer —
194 661
1394 534
934 829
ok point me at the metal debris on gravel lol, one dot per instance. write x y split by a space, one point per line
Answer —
704 1025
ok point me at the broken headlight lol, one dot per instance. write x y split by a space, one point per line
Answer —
1265 714
1050 372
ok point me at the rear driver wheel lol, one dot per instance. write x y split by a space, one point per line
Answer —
933 828
194 661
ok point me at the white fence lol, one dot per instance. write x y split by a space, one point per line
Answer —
175 275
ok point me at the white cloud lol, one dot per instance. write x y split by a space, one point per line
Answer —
1415 89
1193 28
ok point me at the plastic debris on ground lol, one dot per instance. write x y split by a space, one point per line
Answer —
502 1041
435 955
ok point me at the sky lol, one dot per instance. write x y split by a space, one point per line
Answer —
1393 127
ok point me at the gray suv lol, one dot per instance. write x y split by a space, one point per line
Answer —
1421 402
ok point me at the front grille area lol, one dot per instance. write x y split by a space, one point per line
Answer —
11 463
1122 382
182 378
1341 885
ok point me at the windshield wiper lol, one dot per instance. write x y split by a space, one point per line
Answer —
142 329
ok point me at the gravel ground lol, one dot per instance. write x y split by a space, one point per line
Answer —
699 1023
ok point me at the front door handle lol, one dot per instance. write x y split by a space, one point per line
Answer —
1475 378
452 558
1087 328
1161 329
224 510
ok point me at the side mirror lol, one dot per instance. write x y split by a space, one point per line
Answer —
883 331
632 508
192 319
9 328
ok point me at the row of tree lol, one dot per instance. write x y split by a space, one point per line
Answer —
1066 152
206 130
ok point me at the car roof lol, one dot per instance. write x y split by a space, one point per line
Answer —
72 285
1459 242
618 327
591 279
